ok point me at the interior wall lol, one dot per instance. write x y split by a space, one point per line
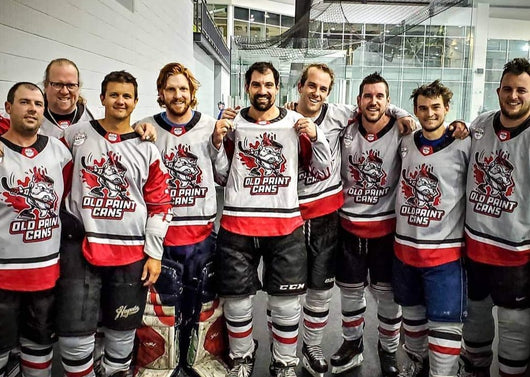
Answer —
99 36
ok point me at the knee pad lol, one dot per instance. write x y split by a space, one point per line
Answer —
352 298
318 300
384 295
238 309
284 309
479 326
514 327
76 347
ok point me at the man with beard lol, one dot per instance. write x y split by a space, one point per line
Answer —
112 251
35 173
261 218
497 231
193 164
428 276
370 171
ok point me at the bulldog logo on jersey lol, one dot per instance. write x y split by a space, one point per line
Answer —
265 163
108 196
421 190
35 201
369 177
494 184
186 175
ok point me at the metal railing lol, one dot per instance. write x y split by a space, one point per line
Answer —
207 34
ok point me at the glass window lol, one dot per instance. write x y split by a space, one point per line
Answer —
495 59
416 30
391 73
257 31
517 49
272 18
413 51
241 13
497 45
493 75
455 31
287 21
241 28
257 16
273 31
374 29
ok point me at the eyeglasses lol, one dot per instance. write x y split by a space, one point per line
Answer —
71 86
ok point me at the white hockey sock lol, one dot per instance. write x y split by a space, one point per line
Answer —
316 313
514 340
416 329
389 315
445 340
238 315
285 314
77 355
353 306
118 350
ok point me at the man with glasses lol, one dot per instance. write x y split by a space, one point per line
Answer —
64 105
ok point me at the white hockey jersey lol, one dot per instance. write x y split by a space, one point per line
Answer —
430 201
261 197
118 181
370 172
192 163
54 127
32 183
498 210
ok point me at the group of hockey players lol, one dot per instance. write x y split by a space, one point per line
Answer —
109 227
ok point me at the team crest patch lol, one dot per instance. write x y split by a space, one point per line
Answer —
503 135
426 150
108 195
494 184
29 152
79 138
369 177
478 133
35 201
186 176
265 164
347 140
112 137
403 151
371 137
421 190
177 131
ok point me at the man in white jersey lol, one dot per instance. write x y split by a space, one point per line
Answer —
119 203
497 231
428 276
261 218
193 164
35 173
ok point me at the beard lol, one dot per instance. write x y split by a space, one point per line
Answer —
174 112
261 106
521 114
